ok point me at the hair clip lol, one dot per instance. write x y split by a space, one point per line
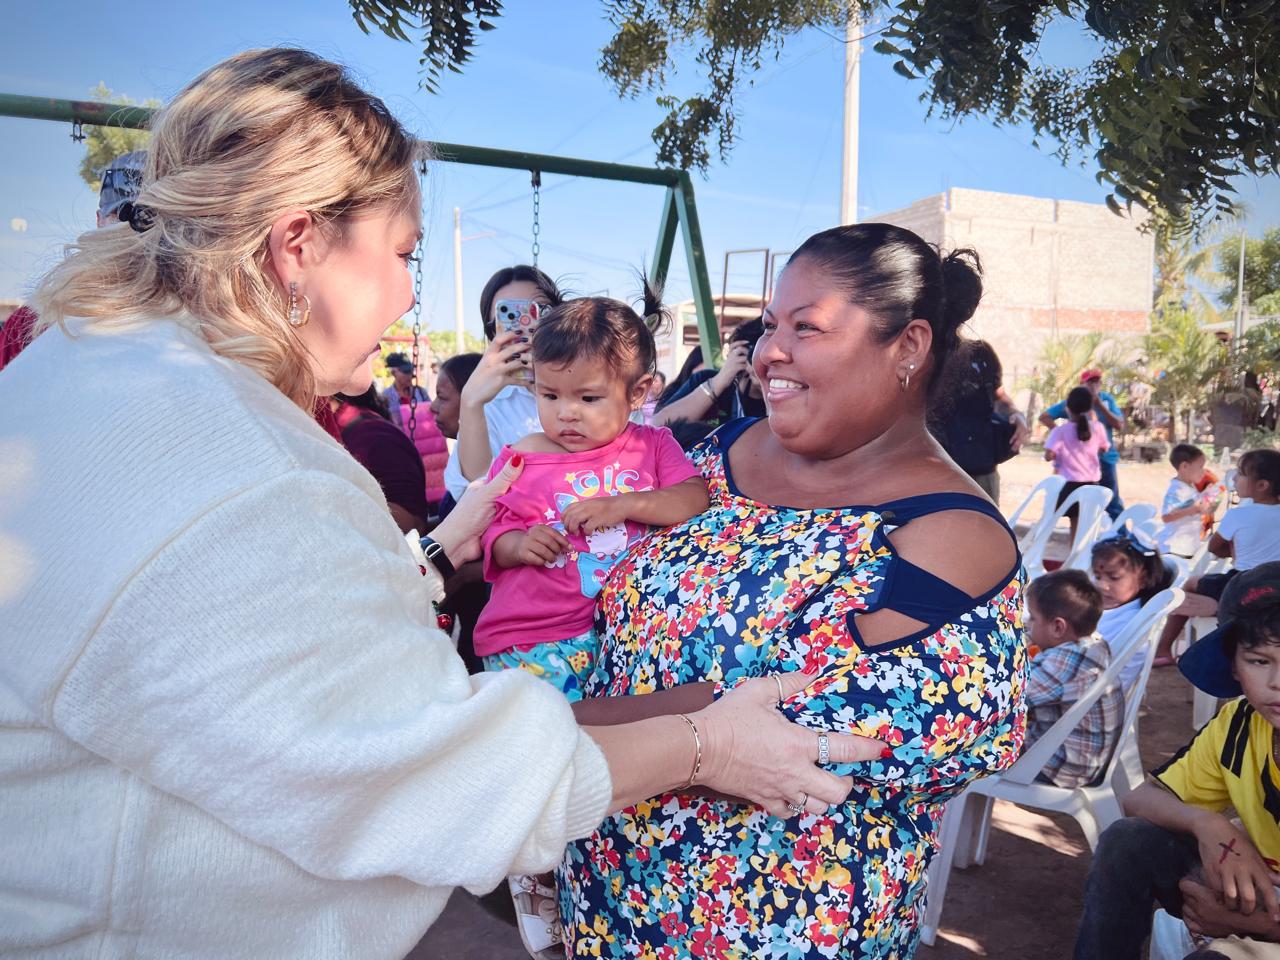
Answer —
1133 540
140 218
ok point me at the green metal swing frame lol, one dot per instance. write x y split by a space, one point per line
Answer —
679 210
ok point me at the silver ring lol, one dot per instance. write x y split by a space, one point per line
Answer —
778 680
824 749
797 806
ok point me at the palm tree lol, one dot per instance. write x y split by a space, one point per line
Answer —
1183 363
1183 270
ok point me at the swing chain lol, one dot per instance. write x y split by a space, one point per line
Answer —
417 328
537 205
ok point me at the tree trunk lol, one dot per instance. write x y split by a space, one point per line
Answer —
1173 421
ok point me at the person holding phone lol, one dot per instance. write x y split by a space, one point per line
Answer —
718 396
497 406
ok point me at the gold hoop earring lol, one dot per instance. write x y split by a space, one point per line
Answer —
906 381
296 317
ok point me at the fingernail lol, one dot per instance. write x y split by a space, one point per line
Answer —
886 753
516 459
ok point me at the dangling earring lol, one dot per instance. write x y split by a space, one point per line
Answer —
298 318
906 381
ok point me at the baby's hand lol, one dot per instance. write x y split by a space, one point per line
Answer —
588 516
541 545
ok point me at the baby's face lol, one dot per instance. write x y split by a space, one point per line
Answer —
582 404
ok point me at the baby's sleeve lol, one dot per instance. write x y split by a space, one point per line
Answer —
672 466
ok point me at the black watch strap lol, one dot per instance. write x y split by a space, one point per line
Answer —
439 559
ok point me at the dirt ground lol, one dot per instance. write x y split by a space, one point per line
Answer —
1024 902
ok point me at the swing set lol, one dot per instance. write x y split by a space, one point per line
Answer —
679 211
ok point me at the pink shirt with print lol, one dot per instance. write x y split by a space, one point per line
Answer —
1075 459
542 604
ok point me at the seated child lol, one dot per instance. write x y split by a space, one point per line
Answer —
593 483
1129 571
1178 846
1249 534
1074 448
1184 506
1063 608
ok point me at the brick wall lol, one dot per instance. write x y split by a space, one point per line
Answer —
1048 264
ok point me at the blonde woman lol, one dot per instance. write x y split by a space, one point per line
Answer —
228 724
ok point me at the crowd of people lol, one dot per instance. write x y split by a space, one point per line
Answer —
694 665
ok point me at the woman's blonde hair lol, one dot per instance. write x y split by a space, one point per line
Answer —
262 133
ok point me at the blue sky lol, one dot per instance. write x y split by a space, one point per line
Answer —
533 85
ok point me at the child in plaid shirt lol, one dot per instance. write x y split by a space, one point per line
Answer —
1063 609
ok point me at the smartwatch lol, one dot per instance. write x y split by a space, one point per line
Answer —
439 559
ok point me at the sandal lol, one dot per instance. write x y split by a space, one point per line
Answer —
538 916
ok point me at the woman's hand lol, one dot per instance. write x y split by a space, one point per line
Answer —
459 533
1020 432
1234 868
499 366
737 361
750 750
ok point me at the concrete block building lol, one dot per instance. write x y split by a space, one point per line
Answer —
1051 266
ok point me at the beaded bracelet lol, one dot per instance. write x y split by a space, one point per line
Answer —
697 757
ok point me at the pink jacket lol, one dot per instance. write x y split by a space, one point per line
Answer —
431 447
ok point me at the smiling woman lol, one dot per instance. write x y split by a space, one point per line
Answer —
839 539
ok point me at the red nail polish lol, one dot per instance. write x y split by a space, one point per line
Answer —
516 459
886 753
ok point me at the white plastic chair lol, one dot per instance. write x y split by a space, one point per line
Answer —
1140 516
1090 524
1203 705
966 824
1034 541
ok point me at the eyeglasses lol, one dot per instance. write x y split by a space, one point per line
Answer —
1135 541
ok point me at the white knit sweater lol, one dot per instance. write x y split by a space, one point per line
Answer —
228 725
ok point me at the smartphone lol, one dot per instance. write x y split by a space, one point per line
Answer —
518 316
521 317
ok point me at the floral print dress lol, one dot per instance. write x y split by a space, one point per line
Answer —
748 589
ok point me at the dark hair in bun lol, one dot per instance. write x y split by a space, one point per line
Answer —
897 277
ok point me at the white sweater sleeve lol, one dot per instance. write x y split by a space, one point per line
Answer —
277 665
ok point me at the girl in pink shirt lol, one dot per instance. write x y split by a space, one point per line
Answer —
1074 448
594 482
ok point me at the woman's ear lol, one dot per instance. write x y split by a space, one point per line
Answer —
293 245
914 344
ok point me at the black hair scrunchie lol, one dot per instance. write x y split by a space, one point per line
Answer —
140 218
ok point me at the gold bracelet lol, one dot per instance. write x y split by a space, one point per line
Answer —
697 748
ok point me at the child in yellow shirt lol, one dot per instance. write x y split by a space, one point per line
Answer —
1177 845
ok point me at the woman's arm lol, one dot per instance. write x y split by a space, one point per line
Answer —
1220 547
656 508
743 747
499 367
699 402
611 711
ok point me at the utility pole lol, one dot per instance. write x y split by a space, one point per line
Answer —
852 71
458 314
1238 333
